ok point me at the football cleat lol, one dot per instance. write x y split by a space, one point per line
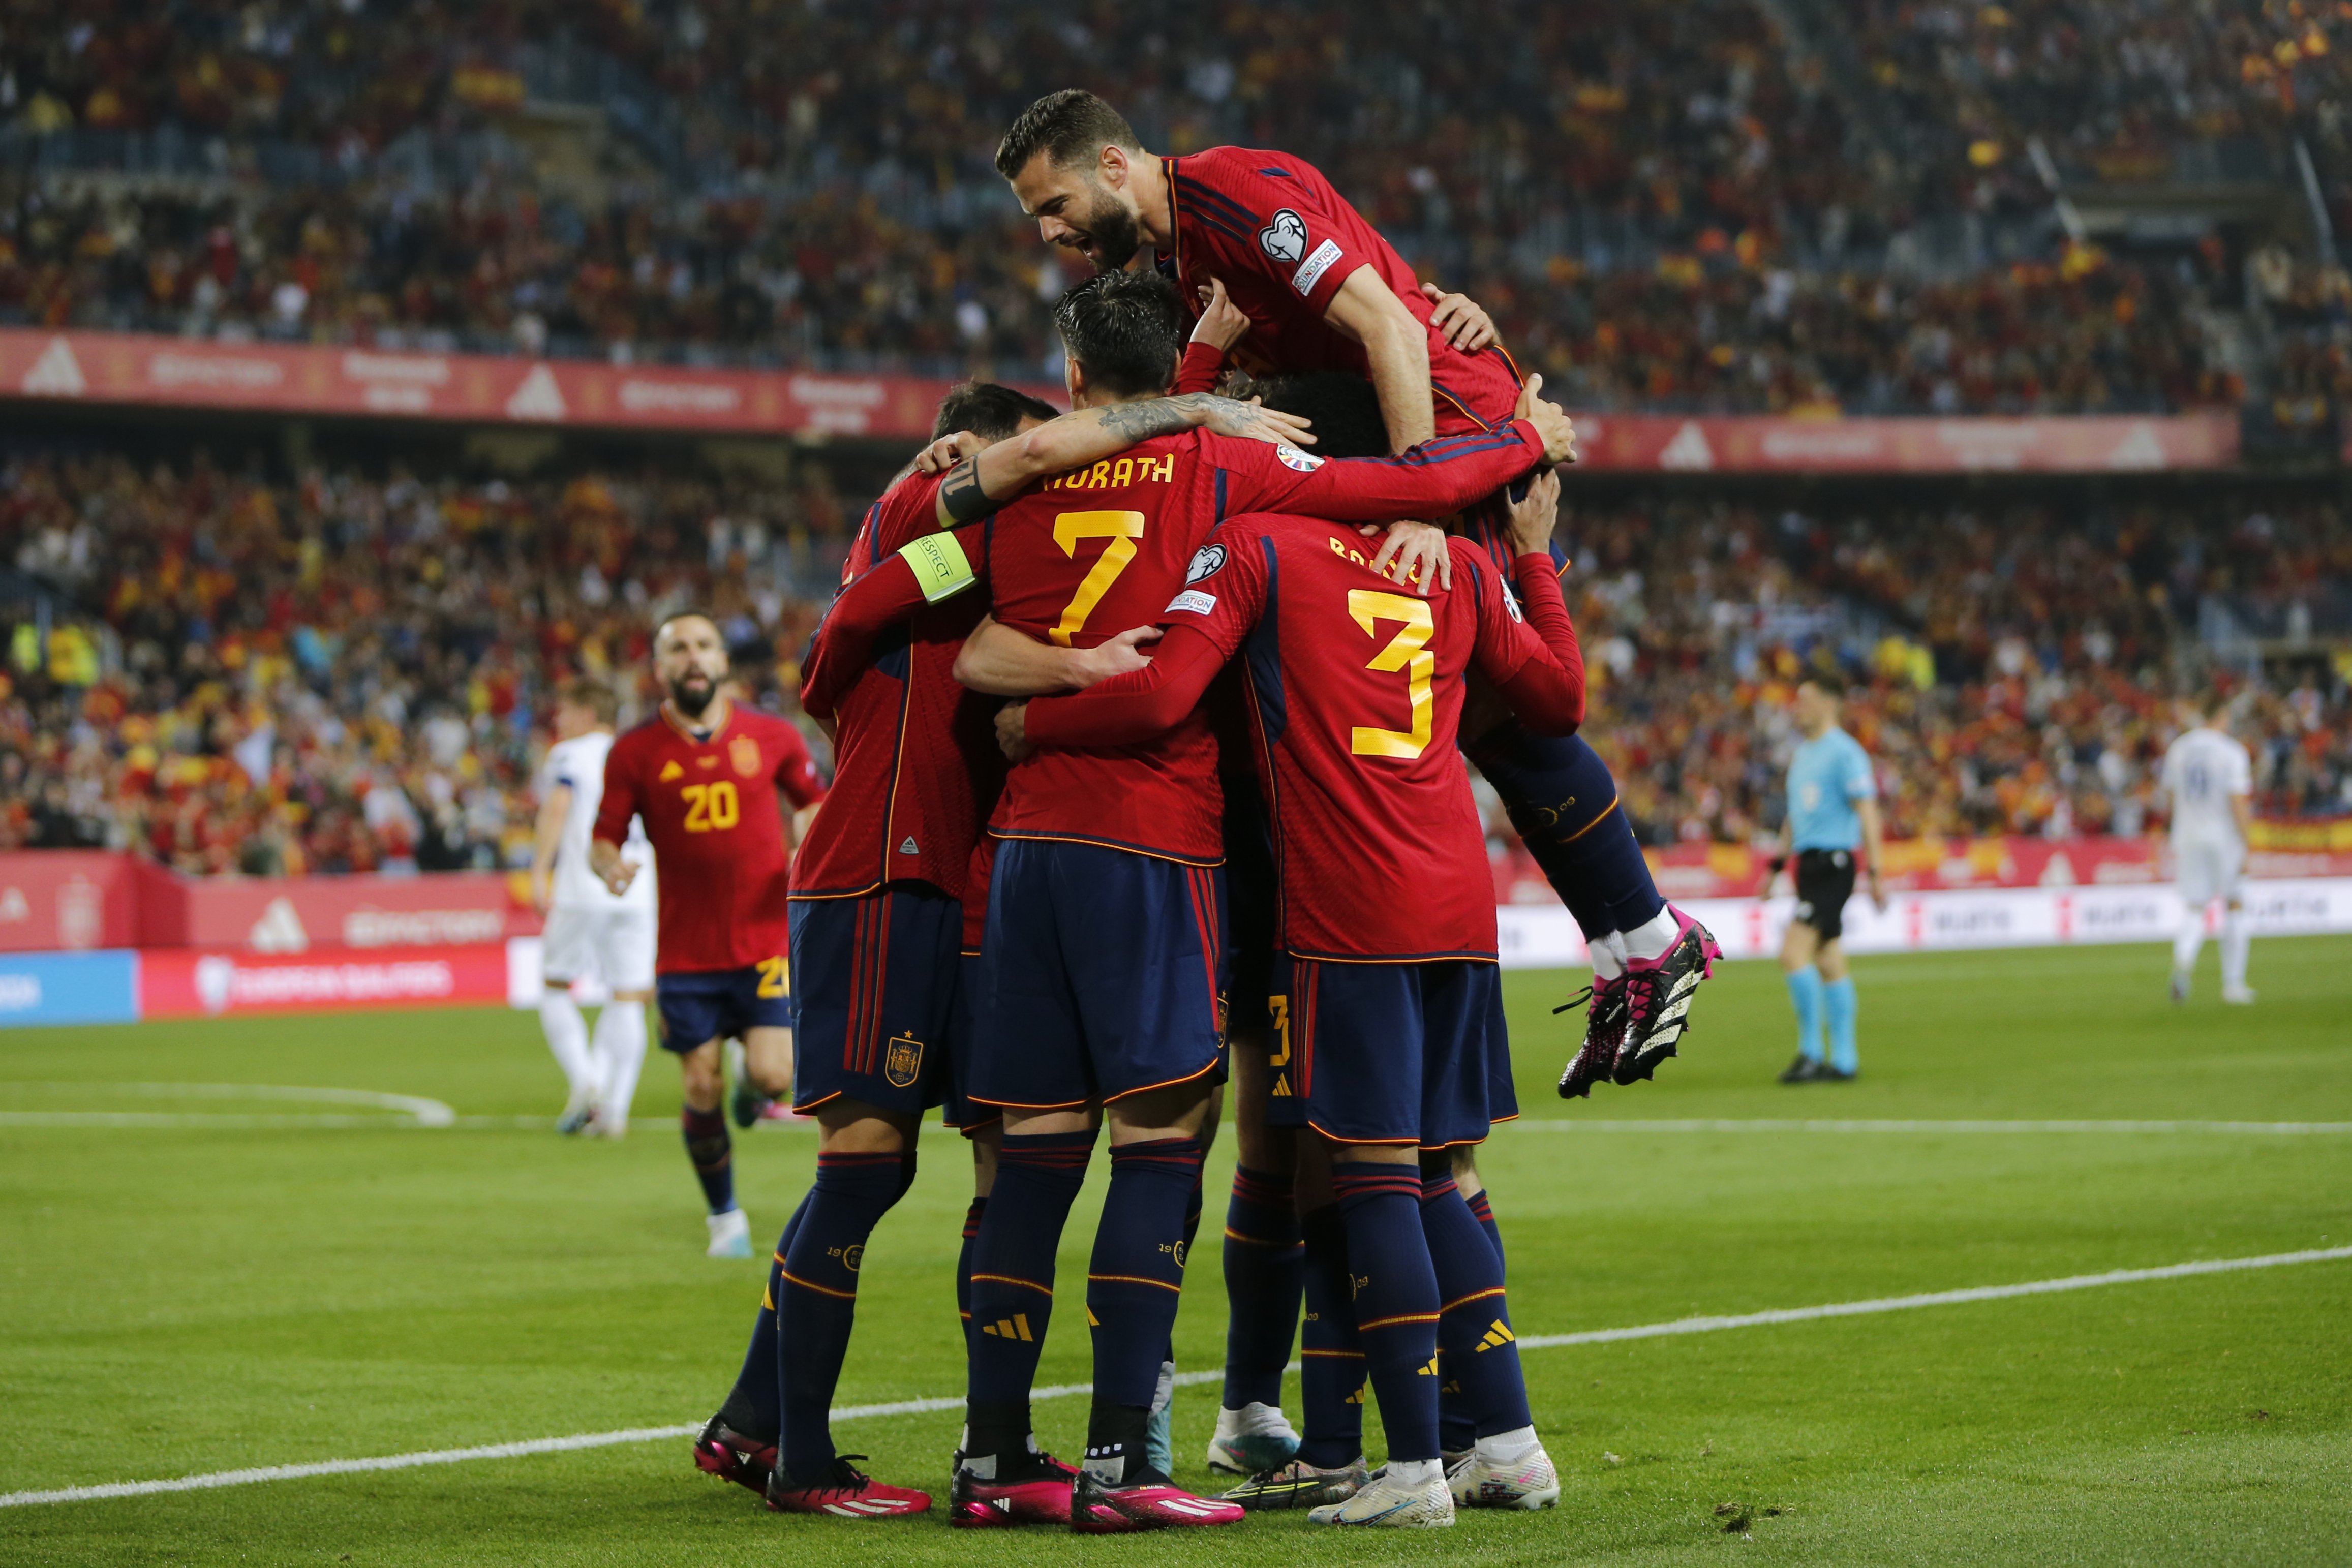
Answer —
576 1118
848 1492
1151 1503
725 1453
2180 989
1805 1070
1160 1431
1252 1440
1604 1031
2237 996
1041 1495
1530 1482
1397 1504
1658 994
1299 1485
730 1234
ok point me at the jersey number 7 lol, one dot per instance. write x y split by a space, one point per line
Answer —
1407 650
1122 530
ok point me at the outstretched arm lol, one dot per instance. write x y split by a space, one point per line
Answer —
1130 708
925 572
1396 345
999 662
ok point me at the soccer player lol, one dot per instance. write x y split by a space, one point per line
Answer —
590 929
1833 816
876 929
1097 982
1324 291
2210 779
1389 1042
717 786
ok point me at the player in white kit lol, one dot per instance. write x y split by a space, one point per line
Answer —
590 930
2210 779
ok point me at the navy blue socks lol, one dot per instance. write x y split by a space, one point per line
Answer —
1037 1176
713 1154
1478 1353
816 1303
752 1407
1564 804
963 1267
1331 1356
1265 1265
1397 1299
1133 1283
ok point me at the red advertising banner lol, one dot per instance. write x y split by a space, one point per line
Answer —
1923 865
297 915
78 900
134 368
188 983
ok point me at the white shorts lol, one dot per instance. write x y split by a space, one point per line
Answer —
2208 869
615 946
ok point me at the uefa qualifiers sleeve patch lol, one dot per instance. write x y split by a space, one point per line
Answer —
941 569
1191 602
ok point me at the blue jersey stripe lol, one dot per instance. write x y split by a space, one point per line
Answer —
1232 210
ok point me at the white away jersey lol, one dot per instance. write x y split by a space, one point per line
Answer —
579 763
2202 769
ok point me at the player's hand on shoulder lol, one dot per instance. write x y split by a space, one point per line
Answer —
1415 553
1551 422
1222 323
1122 655
948 451
1013 733
1534 516
1461 322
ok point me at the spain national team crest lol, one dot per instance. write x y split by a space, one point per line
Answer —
744 753
902 1064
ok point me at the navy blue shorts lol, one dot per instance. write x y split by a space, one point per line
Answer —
959 1110
1390 1053
877 1009
1250 898
703 1005
1098 977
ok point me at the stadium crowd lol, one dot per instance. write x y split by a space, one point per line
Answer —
351 673
1656 210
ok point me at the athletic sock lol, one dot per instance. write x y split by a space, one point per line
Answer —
1606 964
1805 993
1331 1355
2237 944
1396 1299
619 1049
567 1041
1484 1213
713 1154
1652 938
1037 1176
751 1406
1265 1264
1838 1004
1481 1355
817 1305
1455 1428
1564 804
2191 938
1133 1283
963 1267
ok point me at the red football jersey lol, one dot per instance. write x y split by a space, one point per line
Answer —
1081 558
1271 226
714 809
915 768
1356 693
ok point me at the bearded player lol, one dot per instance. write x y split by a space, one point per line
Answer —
717 787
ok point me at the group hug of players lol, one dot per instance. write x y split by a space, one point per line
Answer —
1148 723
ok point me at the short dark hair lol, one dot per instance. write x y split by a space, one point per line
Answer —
595 696
1070 126
1125 329
1343 409
988 411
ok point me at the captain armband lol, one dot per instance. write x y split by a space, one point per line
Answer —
941 569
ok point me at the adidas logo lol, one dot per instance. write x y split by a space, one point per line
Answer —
1429 1371
280 929
671 770
1093 1322
1498 1335
56 373
538 397
907 848
1014 1327
1356 1397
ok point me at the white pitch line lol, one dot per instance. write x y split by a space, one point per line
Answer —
1769 1124
1057 1391
419 1111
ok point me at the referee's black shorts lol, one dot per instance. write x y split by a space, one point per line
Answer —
1824 882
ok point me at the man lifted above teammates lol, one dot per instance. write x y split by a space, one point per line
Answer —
590 930
711 780
1324 291
1097 982
877 928
1389 1042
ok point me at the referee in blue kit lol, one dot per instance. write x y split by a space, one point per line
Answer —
1833 816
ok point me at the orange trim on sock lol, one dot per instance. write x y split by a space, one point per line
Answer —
820 1290
1011 1280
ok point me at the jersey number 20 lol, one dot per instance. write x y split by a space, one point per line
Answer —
710 807
1407 650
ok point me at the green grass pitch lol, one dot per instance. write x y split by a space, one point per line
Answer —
188 1299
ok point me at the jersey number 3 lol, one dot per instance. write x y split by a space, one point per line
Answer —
1407 650
1122 530
710 807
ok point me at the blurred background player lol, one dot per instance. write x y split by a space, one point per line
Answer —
591 931
2210 779
724 792
1833 816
